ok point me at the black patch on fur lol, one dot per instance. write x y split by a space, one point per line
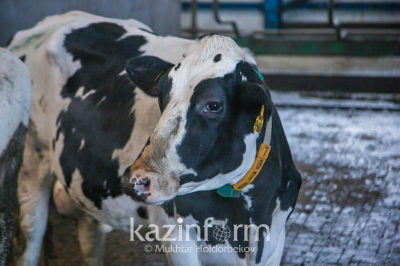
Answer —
22 58
142 211
217 58
178 66
96 126
206 35
168 208
165 86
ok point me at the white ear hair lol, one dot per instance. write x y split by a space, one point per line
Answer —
244 78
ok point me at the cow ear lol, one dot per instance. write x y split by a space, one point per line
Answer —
145 72
253 90
253 94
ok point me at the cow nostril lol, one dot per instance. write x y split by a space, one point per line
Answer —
145 182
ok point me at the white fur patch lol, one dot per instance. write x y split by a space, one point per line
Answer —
198 64
247 198
273 250
157 45
147 114
15 96
80 94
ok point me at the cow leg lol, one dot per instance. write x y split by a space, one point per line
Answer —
34 208
34 188
91 239
63 202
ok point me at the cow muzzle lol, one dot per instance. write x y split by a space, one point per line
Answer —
147 186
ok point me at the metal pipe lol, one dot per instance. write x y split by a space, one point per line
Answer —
207 30
219 21
310 31
194 18
295 4
297 31
330 13
377 25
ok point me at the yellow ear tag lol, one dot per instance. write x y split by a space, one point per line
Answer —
259 121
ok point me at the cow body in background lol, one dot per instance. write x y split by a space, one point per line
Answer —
88 124
15 107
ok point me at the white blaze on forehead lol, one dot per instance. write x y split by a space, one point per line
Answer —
171 128
199 65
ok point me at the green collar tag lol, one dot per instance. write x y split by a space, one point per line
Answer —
259 74
228 191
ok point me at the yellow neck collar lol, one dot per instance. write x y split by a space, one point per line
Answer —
235 190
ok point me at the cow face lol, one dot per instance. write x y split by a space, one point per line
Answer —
204 138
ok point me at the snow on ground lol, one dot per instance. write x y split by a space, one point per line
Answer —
349 205
373 101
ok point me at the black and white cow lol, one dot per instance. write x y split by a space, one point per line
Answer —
15 107
206 139
89 123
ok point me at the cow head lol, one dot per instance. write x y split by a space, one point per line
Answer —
204 138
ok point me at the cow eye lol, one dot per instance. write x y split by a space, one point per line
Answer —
214 107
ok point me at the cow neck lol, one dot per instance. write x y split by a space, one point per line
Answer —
235 191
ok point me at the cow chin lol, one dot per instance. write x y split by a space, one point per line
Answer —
149 187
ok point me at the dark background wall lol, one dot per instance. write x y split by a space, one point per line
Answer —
161 15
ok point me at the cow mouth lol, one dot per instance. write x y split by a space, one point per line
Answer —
128 189
144 198
143 191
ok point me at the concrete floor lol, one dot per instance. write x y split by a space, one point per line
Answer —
349 205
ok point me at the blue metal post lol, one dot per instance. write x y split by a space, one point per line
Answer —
272 14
